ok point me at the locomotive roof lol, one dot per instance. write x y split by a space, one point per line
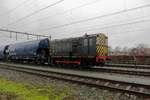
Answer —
84 36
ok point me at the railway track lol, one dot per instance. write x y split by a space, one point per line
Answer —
129 66
126 86
122 70
119 69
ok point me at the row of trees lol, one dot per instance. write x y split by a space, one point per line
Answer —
139 50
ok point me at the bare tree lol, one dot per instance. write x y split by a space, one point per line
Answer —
140 50
117 50
125 50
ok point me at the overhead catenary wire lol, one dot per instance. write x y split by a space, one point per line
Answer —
24 33
19 37
94 18
13 9
60 13
121 24
111 26
128 31
33 13
136 8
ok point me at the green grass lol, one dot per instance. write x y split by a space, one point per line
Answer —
33 92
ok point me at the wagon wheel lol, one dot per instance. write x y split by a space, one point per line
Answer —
42 56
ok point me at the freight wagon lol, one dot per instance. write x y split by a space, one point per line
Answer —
29 51
3 52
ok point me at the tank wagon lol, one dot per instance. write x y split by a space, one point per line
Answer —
29 51
3 52
85 50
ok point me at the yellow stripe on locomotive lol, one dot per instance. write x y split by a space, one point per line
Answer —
102 45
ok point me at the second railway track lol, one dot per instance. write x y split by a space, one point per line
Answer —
112 83
126 70
129 66
122 70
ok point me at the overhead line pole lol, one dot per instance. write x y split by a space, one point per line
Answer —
24 33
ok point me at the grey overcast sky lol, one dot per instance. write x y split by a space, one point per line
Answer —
126 22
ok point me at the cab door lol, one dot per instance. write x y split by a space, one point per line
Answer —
88 46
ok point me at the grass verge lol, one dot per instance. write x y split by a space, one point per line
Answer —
22 91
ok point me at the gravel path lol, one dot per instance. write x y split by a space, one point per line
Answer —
80 92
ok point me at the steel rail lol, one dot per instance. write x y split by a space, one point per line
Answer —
121 86
129 66
128 71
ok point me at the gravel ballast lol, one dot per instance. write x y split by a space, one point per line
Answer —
80 92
